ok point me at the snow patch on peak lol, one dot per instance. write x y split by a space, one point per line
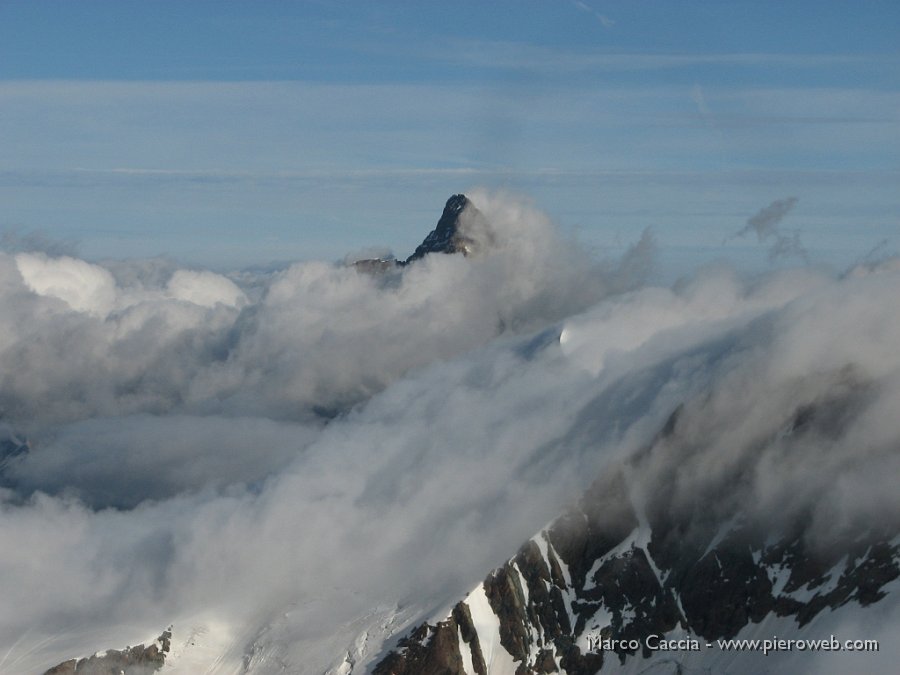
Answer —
487 625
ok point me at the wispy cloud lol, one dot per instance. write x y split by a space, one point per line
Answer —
766 223
182 158
604 20
527 56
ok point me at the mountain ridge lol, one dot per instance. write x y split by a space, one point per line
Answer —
612 571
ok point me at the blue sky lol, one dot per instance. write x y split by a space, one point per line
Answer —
234 133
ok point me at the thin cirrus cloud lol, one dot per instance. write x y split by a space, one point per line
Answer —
604 20
294 126
525 56
189 168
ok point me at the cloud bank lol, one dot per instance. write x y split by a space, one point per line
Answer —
146 338
181 472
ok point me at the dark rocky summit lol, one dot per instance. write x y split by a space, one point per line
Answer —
461 229
448 235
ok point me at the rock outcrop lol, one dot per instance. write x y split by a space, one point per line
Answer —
138 660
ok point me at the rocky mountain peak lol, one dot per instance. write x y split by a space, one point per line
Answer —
446 237
454 233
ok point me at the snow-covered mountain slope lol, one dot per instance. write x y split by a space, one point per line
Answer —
621 582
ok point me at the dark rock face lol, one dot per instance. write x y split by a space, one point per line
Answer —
454 233
138 660
447 236
434 650
615 570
